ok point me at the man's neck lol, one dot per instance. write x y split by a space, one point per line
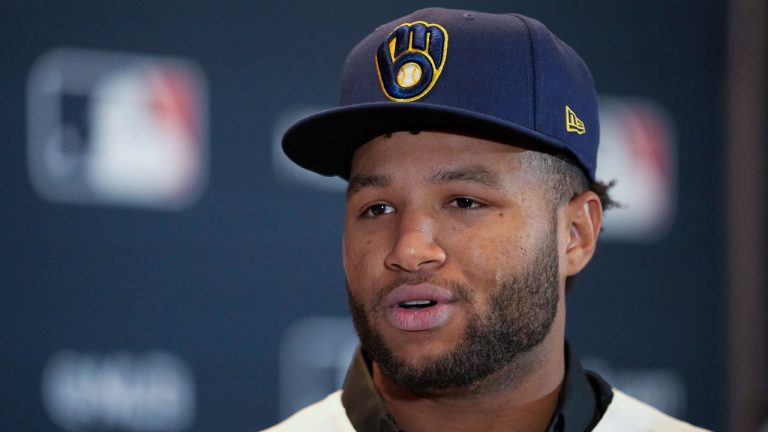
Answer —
521 398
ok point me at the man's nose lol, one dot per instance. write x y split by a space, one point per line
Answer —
415 247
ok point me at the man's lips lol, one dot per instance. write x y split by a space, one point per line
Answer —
419 307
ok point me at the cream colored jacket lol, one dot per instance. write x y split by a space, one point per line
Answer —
624 414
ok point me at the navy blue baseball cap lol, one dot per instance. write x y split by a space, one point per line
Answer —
504 77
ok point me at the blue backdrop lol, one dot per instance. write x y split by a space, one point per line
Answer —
109 308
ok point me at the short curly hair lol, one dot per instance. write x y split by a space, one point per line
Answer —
566 179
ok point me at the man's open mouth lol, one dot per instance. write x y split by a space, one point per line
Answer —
419 307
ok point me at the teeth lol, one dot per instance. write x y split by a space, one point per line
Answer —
417 304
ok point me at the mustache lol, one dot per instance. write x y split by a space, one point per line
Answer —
461 291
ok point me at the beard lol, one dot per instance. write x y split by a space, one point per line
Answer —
520 315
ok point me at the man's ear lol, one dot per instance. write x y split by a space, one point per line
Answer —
583 218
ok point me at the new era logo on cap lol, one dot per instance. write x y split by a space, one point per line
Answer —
410 60
573 123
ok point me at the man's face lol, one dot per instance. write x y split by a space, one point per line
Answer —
451 257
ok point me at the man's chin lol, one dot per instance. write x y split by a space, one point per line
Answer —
418 356
427 376
421 348
416 361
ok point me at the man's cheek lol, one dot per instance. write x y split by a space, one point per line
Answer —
483 257
358 267
365 250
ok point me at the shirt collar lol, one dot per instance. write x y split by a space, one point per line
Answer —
362 402
584 398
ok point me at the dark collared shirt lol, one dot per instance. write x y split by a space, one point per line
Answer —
584 398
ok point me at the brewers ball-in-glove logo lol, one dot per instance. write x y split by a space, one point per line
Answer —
410 60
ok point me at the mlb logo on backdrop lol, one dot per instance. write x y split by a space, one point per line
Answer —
117 129
638 148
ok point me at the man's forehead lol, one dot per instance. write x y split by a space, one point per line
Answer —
469 173
435 158
435 150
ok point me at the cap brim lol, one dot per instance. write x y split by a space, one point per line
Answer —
325 142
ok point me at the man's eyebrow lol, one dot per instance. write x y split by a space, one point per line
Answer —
362 181
469 173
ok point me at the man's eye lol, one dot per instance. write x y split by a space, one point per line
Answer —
466 203
378 210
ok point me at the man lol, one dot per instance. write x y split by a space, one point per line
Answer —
469 141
